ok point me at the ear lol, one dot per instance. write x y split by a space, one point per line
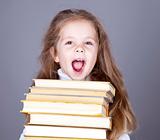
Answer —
54 54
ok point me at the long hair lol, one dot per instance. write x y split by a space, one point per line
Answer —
105 68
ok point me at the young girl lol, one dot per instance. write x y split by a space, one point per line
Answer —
76 47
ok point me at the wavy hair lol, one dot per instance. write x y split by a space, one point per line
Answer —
105 69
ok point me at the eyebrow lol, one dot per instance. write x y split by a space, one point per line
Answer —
88 37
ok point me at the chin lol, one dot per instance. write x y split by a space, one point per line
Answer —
78 78
81 75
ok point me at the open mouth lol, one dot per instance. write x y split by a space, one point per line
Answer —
78 65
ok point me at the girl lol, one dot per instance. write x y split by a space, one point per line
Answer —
76 47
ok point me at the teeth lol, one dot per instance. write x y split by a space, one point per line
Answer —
79 59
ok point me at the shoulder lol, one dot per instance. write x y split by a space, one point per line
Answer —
124 137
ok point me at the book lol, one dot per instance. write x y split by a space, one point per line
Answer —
69 120
69 132
72 92
68 110
68 98
63 108
73 84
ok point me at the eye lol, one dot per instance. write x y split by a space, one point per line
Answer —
89 43
68 43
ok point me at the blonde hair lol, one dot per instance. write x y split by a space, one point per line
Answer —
105 68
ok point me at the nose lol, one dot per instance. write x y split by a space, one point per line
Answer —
79 49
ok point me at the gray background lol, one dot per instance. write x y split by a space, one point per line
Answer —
134 32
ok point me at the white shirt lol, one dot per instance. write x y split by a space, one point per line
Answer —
63 76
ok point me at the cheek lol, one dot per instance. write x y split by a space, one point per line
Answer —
92 58
93 54
60 53
64 56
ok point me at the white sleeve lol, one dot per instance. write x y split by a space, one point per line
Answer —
124 137
22 135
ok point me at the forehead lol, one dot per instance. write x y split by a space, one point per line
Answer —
81 28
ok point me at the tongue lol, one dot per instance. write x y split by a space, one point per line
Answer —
77 65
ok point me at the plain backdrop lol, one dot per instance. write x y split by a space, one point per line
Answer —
134 31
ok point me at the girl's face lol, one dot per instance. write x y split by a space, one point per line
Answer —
77 49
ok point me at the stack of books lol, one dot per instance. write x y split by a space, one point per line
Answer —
68 110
